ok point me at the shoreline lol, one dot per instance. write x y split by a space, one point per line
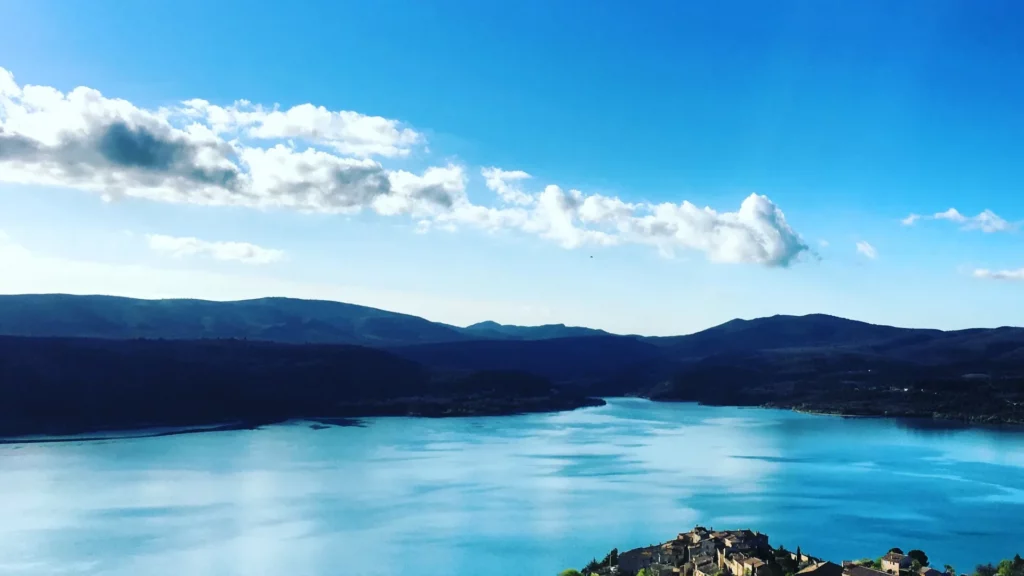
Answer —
351 419
937 418
127 434
320 422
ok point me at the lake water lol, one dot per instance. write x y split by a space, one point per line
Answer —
522 495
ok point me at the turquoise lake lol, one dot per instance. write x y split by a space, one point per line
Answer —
519 495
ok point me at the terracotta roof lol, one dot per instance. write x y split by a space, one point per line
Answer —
856 570
823 569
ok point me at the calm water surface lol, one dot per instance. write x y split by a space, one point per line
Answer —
505 496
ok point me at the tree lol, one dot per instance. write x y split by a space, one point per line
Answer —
799 556
613 557
915 565
570 572
985 570
919 555
949 569
773 568
895 551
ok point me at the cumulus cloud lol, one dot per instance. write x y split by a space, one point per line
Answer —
183 247
756 233
311 159
986 220
999 274
85 140
867 250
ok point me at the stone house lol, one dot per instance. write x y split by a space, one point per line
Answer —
632 561
740 564
704 566
674 551
893 562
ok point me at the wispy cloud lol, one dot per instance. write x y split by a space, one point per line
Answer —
986 220
867 250
999 274
505 183
183 247
309 158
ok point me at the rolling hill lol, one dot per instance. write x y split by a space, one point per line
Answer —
272 319
816 362
494 331
71 385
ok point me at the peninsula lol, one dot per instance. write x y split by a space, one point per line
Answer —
708 552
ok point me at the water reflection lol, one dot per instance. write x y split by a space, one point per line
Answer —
516 495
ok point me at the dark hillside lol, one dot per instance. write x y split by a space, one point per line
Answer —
64 385
273 319
577 360
814 330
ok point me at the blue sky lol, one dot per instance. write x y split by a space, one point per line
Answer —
844 118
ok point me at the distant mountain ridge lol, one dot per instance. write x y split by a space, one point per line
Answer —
493 330
813 362
296 321
781 332
286 320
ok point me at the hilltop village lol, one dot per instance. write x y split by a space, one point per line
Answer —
706 552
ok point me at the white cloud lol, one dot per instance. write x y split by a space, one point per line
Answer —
181 247
999 274
345 131
265 158
986 220
505 184
823 243
867 250
756 233
87 141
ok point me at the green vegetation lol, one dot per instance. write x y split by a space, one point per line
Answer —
1014 567
786 564
918 556
570 572
611 559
